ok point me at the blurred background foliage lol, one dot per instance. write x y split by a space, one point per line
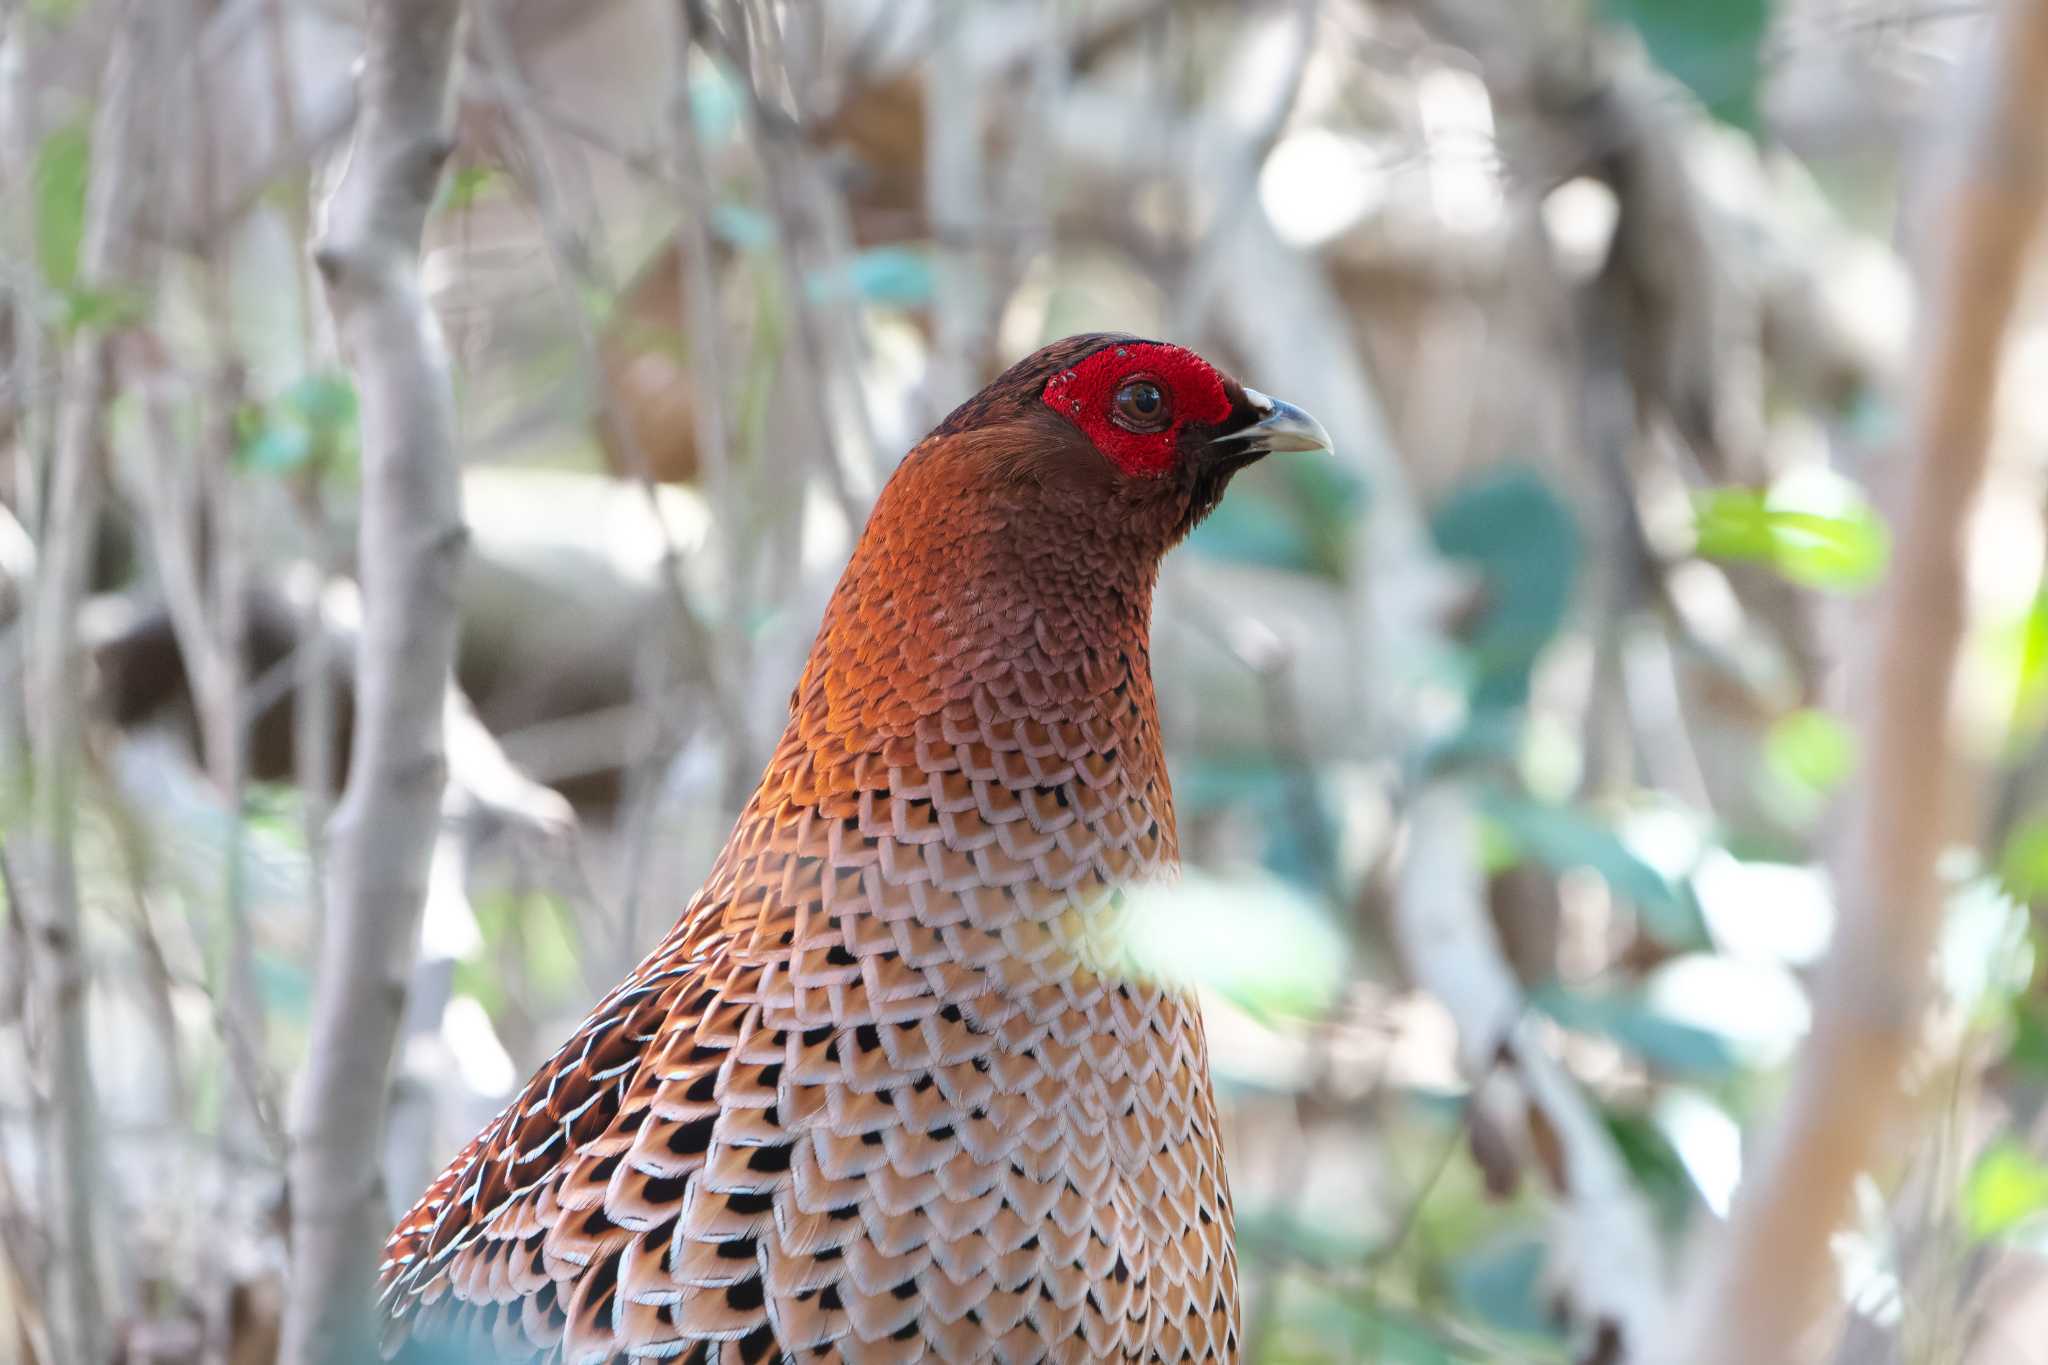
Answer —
1604 303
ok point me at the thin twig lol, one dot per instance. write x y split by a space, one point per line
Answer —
50 908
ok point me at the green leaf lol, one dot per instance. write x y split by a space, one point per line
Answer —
1711 45
2023 863
1811 750
2028 1049
100 309
2015 653
2006 1187
1837 551
1629 1019
58 180
1659 1171
1565 837
470 185
1526 545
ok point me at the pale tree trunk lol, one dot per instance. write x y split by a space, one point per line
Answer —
1762 1289
410 550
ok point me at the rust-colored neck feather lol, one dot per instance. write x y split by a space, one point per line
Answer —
981 584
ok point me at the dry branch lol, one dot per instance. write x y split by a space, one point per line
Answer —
410 550
1762 1286
1605 1248
53 940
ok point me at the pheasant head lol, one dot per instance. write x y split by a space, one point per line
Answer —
872 1098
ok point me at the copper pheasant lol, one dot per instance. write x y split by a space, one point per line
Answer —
881 1094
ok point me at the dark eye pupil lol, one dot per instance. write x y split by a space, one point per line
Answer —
1141 401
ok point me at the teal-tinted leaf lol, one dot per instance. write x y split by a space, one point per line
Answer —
714 105
1838 551
276 447
1296 514
61 166
1250 527
1502 1285
313 422
284 985
1711 45
1563 837
1297 829
1630 1020
740 226
326 401
1525 544
894 276
2007 1186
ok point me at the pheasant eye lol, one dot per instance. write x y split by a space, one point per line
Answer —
1141 406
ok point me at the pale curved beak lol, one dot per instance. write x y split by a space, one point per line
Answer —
1281 427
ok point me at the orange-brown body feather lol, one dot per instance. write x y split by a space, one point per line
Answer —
877 1096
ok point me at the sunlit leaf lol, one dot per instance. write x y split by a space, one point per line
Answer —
2015 652
1811 750
1840 551
1711 45
2023 862
1250 936
2006 1187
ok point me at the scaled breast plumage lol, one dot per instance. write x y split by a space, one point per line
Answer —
877 1096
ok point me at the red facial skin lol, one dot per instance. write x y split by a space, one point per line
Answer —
1085 395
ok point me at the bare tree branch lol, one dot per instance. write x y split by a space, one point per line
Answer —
410 550
1762 1286
50 909
1605 1246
